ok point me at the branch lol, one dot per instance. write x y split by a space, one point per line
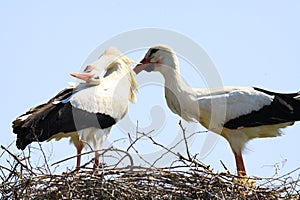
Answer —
185 141
17 159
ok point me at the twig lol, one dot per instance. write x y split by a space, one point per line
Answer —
11 173
44 156
17 159
7 148
71 157
227 170
185 140
103 152
122 151
136 151
287 174
197 164
132 142
185 178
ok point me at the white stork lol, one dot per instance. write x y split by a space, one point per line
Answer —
239 113
85 111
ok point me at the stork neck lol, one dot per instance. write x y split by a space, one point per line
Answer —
179 96
174 81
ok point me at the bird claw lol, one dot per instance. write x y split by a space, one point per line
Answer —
245 181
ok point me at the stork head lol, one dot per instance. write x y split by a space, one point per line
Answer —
111 67
107 64
88 76
158 58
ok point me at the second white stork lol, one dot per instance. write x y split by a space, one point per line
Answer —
239 113
85 111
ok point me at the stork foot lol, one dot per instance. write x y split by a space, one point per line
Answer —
245 181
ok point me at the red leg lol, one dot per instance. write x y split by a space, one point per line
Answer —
96 162
240 164
79 149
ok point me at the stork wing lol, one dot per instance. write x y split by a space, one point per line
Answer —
233 107
283 108
57 115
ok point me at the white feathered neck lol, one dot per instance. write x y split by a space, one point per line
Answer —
180 98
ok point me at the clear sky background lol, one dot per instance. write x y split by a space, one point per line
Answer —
251 43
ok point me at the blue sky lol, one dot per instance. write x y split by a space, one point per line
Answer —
251 44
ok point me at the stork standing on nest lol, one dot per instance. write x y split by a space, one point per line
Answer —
85 111
238 113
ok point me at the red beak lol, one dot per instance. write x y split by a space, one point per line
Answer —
83 76
141 66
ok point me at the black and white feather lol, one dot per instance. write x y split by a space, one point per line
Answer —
85 111
236 113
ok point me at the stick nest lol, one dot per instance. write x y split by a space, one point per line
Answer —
185 178
187 181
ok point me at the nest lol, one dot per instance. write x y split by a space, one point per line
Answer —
185 178
186 181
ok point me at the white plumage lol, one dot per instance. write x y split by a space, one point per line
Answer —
236 113
115 88
89 108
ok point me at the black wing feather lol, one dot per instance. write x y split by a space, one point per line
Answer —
284 108
51 118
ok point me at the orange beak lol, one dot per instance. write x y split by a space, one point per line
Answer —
141 66
83 76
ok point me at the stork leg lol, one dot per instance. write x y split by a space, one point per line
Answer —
96 162
244 179
79 149
240 164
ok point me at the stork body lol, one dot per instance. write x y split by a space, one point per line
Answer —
236 113
85 111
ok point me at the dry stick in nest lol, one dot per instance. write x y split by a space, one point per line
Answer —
17 159
104 151
167 184
136 151
283 179
132 142
12 172
45 159
169 150
227 170
160 145
147 135
185 140
189 158
27 161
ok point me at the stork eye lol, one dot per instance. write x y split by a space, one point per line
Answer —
153 51
96 77
88 68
